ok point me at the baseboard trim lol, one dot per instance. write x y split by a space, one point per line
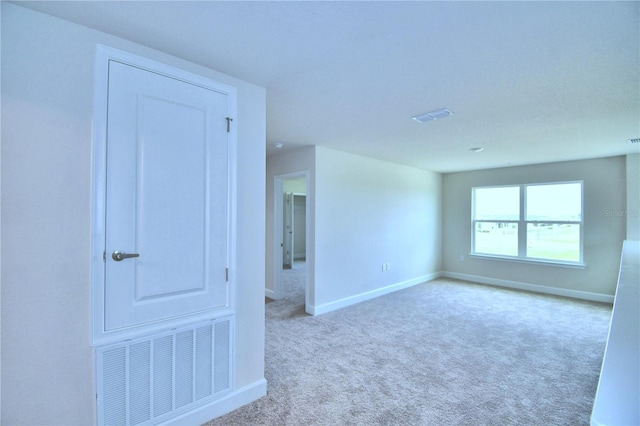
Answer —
232 401
352 300
269 293
575 294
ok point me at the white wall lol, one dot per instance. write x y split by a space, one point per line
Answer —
47 85
633 197
369 212
604 192
362 213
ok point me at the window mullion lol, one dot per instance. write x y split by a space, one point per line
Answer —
522 224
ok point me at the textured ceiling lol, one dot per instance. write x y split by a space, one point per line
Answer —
531 82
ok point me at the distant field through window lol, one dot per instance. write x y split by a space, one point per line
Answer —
531 222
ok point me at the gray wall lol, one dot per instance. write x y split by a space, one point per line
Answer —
47 95
604 192
295 185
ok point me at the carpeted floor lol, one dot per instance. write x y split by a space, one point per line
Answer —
441 353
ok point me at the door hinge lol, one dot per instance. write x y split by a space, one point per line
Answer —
226 273
229 120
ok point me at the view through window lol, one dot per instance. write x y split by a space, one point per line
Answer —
535 222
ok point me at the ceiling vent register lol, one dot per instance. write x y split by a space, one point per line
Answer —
433 115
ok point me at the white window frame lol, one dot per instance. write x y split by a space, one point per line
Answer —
522 223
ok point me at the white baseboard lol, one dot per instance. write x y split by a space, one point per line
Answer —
576 294
269 293
220 407
352 300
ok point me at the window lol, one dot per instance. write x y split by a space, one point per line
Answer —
540 222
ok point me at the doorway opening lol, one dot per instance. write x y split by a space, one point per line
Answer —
290 238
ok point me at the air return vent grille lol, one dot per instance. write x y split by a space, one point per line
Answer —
152 379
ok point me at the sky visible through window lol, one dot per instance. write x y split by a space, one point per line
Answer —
497 203
554 202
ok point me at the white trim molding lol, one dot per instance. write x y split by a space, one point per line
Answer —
222 406
368 295
269 293
518 285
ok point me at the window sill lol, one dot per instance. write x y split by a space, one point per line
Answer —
571 265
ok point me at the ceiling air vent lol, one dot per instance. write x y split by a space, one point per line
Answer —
433 115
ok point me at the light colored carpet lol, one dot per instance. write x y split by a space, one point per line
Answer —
441 353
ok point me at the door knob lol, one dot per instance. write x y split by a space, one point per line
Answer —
119 255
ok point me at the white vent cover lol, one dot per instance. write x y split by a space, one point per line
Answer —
433 115
152 379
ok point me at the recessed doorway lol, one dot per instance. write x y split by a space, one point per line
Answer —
290 237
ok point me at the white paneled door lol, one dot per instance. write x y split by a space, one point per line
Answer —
167 198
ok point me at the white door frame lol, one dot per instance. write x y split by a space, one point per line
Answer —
278 229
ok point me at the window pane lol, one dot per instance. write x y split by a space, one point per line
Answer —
553 241
554 202
496 238
497 203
